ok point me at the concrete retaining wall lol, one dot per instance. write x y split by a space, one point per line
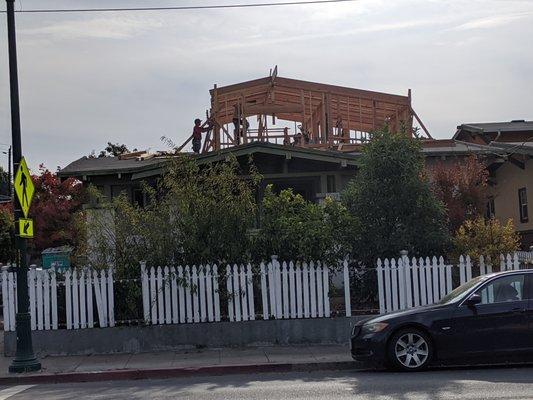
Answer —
135 339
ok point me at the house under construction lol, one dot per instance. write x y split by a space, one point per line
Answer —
288 111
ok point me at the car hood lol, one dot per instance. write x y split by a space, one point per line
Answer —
403 313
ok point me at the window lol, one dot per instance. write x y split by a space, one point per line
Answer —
522 203
331 187
490 212
501 290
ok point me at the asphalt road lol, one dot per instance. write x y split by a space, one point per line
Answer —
479 383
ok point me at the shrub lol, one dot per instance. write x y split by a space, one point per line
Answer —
488 238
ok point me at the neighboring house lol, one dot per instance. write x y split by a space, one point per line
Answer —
511 174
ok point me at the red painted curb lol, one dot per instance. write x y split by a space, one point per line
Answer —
165 373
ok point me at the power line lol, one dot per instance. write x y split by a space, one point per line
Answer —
219 6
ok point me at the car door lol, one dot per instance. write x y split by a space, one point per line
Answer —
499 324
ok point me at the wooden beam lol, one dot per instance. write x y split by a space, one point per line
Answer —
421 123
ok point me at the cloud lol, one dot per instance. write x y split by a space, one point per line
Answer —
97 28
490 22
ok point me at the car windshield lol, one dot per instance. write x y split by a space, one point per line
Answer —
456 294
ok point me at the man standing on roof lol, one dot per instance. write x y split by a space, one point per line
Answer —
197 134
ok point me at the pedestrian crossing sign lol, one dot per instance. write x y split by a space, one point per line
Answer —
26 228
24 187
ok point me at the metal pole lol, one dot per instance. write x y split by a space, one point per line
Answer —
25 360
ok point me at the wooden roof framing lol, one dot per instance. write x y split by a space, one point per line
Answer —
332 116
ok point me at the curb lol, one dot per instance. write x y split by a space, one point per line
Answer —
166 373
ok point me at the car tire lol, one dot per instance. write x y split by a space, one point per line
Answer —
409 349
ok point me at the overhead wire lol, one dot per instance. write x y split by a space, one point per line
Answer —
182 8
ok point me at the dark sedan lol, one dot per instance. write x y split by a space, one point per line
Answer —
488 319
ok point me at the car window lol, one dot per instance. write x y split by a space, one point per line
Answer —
457 293
504 289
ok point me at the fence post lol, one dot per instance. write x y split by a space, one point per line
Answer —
209 294
319 291
145 293
271 288
68 299
416 283
83 300
31 284
347 301
381 294
216 295
285 287
5 299
407 278
110 297
312 292
181 295
482 269
53 284
516 263
264 294
462 273
230 293
305 280
250 293
292 290
325 287
277 279
160 297
299 293
468 268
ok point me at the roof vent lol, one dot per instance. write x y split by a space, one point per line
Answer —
518 120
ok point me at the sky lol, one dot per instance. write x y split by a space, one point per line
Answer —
133 77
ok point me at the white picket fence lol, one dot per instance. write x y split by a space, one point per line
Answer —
191 294
180 295
290 291
405 283
43 289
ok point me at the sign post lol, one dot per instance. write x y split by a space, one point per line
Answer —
25 360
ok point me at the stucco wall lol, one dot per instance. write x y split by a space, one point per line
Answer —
509 178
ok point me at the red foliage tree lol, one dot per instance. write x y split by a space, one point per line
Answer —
53 209
462 186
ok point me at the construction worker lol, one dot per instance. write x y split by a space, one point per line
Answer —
197 134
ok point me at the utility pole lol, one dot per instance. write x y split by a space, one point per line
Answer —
25 360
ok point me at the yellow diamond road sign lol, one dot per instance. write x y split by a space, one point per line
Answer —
24 186
26 228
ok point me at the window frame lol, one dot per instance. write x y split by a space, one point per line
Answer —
526 291
522 205
491 208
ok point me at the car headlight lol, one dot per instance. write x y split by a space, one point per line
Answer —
374 327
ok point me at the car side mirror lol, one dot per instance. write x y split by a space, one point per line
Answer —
473 300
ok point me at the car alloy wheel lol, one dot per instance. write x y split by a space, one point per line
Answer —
411 350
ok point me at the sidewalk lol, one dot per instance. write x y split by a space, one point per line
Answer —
183 363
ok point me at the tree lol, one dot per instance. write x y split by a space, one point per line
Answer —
462 187
488 238
4 183
54 207
194 216
295 229
392 201
7 232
